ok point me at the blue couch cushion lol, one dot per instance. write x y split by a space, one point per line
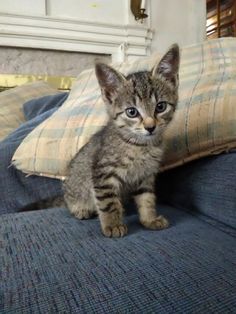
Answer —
207 186
54 263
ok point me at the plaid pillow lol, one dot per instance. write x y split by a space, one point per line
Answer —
204 123
49 148
11 104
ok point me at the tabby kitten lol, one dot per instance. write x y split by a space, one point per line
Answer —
124 157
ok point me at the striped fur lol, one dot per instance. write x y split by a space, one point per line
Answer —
124 157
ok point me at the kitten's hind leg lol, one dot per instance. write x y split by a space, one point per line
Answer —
81 208
81 211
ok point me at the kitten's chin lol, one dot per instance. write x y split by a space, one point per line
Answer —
151 139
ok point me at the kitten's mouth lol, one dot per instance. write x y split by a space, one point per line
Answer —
141 138
149 135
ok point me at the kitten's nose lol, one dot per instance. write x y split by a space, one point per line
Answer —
149 124
150 129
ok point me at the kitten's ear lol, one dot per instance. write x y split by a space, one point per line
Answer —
109 80
168 67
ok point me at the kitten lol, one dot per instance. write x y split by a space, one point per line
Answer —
124 157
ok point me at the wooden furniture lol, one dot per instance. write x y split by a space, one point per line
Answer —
221 18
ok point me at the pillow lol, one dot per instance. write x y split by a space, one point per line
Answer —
204 123
49 148
18 190
36 107
12 100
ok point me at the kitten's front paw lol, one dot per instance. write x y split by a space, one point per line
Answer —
158 223
115 232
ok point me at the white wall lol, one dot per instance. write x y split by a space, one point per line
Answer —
103 11
181 21
101 26
28 7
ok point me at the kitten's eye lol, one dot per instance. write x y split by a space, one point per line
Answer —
132 112
161 106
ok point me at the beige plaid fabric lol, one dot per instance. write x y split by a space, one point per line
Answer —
205 120
12 100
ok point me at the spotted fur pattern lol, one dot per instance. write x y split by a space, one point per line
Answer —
124 157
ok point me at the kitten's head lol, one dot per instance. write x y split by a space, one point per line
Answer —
142 104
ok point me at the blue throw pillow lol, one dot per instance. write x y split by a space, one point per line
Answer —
35 107
17 189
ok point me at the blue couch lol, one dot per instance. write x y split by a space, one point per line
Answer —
51 262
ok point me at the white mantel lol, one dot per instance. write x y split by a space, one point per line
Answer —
51 30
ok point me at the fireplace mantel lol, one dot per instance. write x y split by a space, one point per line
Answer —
43 32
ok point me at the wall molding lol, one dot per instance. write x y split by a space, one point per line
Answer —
44 32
